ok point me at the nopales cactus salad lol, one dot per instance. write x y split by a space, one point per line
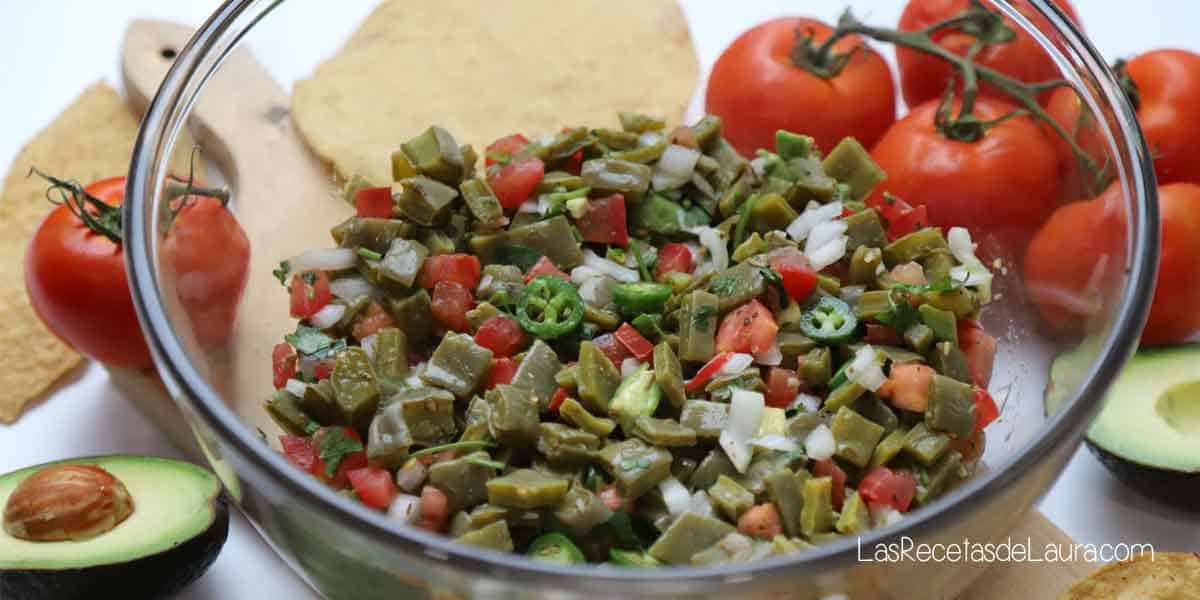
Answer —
635 346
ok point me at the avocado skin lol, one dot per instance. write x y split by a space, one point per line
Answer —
1173 488
156 576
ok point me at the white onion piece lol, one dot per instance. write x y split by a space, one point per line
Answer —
368 345
736 364
772 357
828 254
745 413
328 317
961 246
774 441
697 253
323 259
806 403
883 515
972 271
823 234
580 274
865 370
811 217
967 276
405 508
296 387
735 543
608 267
759 165
649 138
597 291
349 288
714 243
529 206
674 168
701 504
820 445
675 496
629 366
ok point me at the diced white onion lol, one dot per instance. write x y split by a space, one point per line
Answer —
812 216
529 206
674 168
736 364
350 288
597 291
759 165
543 204
714 243
967 276
701 504
328 317
675 496
828 254
368 345
806 403
405 508
581 274
629 366
296 387
864 369
961 246
883 515
772 357
775 441
745 413
823 234
972 271
323 259
608 267
649 138
820 445
735 543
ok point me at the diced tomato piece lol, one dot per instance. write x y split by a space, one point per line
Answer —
462 268
557 399
883 335
907 387
604 221
310 293
907 221
435 509
323 368
516 181
503 371
828 468
351 461
634 342
986 410
450 303
374 486
980 350
283 363
373 319
799 278
502 335
612 498
971 447
847 211
501 150
895 488
749 328
673 258
608 344
574 164
782 387
708 371
299 450
761 521
374 202
544 266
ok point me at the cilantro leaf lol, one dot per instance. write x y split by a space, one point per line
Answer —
702 316
312 342
334 447
518 256
282 272
723 285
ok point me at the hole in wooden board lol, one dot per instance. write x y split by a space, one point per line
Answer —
168 53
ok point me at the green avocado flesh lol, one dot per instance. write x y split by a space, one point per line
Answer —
1152 412
173 502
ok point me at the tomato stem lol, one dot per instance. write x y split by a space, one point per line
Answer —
1128 85
987 27
821 60
97 215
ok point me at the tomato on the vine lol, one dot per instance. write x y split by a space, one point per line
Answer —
923 76
76 279
771 79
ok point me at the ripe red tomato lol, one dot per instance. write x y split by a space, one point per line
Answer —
986 410
349 462
608 344
299 450
501 150
901 217
373 319
556 401
828 468
459 268
502 335
544 266
1069 276
799 278
283 364
882 485
1005 182
756 89
748 328
77 284
923 77
673 258
374 486
516 181
503 371
604 221
634 342
980 350
374 202
310 293
782 387
450 303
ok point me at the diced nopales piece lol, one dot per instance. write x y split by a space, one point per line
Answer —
403 261
574 413
537 370
596 378
424 201
463 479
458 365
494 536
698 326
635 467
526 488
563 445
388 438
513 418
429 414
689 534
354 387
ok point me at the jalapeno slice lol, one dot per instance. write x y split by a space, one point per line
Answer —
549 307
555 548
831 321
641 297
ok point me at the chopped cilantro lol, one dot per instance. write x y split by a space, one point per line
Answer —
702 316
518 256
312 342
282 272
723 285
369 254
311 427
903 314
334 447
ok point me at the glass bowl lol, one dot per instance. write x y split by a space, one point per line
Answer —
346 550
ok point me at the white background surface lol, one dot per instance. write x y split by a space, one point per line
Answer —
50 50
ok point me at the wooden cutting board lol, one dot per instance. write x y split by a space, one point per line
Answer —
242 124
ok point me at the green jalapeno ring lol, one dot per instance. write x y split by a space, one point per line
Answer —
549 307
556 548
831 321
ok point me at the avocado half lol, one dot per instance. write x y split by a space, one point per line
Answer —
178 526
1148 433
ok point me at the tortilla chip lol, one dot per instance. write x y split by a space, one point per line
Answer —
1168 576
91 139
484 70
